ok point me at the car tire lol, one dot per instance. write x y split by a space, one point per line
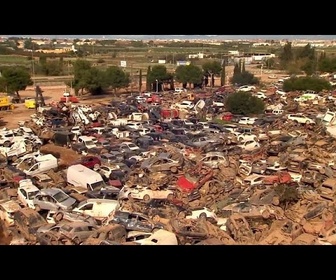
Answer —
58 217
203 216
146 198
173 169
170 197
96 166
181 215
37 208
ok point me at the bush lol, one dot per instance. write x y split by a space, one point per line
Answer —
306 83
244 103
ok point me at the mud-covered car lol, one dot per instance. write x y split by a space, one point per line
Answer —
77 232
111 232
27 221
62 215
161 162
135 221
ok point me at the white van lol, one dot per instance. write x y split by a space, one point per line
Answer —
79 175
97 208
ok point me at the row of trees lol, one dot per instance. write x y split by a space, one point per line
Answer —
95 81
306 59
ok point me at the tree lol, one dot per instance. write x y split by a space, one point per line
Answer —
243 77
30 45
159 74
223 75
236 69
306 52
140 80
286 55
51 68
211 68
148 85
189 74
81 70
15 79
116 78
244 103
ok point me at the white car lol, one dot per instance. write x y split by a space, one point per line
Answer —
247 120
179 90
158 237
214 159
205 212
7 210
27 192
144 193
187 105
260 95
249 145
246 88
243 137
107 170
300 119
128 146
254 179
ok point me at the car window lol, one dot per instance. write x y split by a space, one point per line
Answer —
24 193
88 206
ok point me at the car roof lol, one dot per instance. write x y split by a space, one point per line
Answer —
50 191
10 205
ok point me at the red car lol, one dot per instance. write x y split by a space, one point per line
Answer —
91 162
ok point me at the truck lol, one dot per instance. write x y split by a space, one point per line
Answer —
5 103
41 163
68 97
79 175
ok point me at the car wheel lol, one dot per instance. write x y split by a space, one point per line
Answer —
14 158
96 166
37 208
146 198
181 215
170 197
76 241
173 169
129 196
7 144
266 214
203 216
58 217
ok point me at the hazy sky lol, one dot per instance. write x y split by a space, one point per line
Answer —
153 37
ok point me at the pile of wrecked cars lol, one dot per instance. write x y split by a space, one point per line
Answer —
145 176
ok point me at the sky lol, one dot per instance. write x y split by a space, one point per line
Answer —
184 37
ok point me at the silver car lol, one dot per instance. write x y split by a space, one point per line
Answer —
53 199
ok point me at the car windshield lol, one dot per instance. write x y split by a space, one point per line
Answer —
31 195
98 185
89 143
60 196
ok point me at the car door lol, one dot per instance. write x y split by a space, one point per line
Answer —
23 197
87 209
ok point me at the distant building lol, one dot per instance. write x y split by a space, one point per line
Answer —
199 55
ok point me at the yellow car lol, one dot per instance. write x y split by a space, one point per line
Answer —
30 103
